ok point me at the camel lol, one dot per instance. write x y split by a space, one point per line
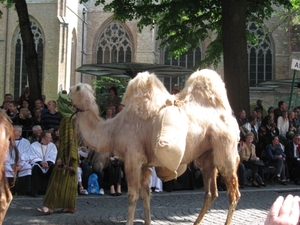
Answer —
6 142
211 139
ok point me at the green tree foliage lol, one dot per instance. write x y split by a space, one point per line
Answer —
183 24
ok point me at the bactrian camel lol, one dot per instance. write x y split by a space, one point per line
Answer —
211 139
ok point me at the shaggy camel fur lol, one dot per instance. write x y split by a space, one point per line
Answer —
211 139
6 133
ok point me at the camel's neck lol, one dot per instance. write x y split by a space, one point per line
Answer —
95 132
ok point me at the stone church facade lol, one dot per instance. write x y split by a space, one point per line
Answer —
68 35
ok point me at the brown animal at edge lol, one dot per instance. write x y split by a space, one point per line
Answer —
211 140
6 144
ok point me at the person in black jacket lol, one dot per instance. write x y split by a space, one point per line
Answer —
292 150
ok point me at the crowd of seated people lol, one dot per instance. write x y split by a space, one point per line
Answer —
275 141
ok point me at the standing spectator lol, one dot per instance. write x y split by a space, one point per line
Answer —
24 120
292 151
5 105
259 106
278 111
113 98
108 114
259 119
44 101
23 181
115 175
51 118
276 155
25 95
297 115
8 97
120 107
241 119
25 105
42 156
36 134
175 89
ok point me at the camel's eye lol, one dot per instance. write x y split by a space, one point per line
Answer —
78 88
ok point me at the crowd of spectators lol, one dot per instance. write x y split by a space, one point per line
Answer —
275 143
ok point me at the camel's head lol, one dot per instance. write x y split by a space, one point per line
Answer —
82 96
145 95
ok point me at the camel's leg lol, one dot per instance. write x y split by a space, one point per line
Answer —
145 193
209 173
232 184
133 176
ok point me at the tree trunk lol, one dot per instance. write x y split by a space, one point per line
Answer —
31 57
235 54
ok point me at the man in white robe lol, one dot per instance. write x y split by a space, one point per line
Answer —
42 156
23 181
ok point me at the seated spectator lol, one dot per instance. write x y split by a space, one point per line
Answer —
251 161
51 118
40 105
283 125
42 156
108 114
250 126
277 157
292 151
270 113
90 162
82 191
155 183
23 182
55 135
36 134
293 126
13 111
115 175
37 116
25 105
5 105
271 130
25 121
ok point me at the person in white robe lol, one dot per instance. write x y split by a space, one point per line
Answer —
23 181
42 157
155 182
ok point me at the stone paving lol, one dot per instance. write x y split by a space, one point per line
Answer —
178 207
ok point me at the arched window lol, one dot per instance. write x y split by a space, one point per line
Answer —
114 45
21 76
189 61
260 56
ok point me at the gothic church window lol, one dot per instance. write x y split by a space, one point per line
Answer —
189 61
260 56
114 45
21 76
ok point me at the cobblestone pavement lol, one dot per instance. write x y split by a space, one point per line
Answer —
178 207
